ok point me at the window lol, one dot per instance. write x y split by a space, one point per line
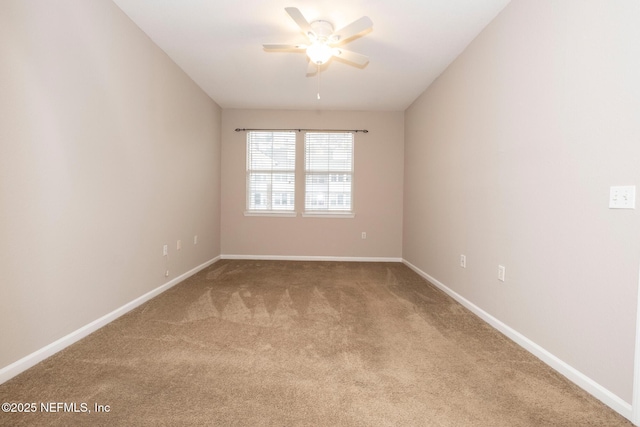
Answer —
271 163
328 172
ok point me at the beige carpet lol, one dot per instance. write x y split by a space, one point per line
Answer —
249 343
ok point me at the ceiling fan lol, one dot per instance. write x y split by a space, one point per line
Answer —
324 42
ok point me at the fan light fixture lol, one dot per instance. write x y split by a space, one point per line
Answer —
319 52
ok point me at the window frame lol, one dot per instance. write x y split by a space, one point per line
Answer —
335 168
254 138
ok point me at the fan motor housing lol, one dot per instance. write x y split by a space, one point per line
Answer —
322 29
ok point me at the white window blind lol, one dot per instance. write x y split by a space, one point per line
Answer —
328 172
271 163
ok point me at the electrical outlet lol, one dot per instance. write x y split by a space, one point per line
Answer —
179 245
165 250
166 273
195 239
463 261
501 273
364 235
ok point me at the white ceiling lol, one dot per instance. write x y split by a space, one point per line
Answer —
218 43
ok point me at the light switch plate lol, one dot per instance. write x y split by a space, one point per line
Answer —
622 197
501 273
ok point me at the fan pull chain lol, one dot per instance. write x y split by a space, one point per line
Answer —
318 81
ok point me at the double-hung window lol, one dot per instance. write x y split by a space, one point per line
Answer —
271 162
328 173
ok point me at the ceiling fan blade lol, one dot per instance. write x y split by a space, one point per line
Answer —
284 46
356 27
299 19
347 55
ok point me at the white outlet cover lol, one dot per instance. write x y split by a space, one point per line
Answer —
622 197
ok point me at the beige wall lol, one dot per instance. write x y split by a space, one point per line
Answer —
377 184
108 151
509 157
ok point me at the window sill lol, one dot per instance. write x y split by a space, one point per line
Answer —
271 213
328 215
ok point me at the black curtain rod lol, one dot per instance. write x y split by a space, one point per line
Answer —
305 130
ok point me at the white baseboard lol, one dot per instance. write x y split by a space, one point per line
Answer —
37 356
309 258
577 377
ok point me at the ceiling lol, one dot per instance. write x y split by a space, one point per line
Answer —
218 43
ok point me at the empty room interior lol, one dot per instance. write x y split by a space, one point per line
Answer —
481 220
